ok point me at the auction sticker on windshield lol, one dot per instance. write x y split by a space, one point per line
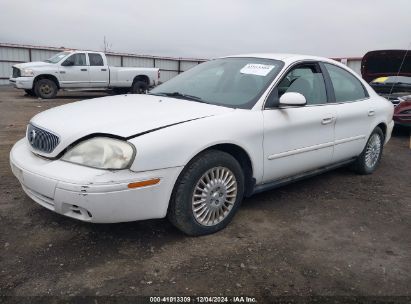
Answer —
257 69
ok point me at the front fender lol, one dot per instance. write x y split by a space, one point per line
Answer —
176 145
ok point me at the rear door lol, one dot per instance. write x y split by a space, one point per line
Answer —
74 72
354 112
299 139
99 73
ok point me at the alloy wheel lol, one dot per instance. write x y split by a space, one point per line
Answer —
214 196
373 150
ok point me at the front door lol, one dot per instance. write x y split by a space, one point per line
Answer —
74 72
299 139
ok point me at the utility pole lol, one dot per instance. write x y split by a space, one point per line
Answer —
107 46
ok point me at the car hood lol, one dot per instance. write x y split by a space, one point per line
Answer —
32 64
384 63
122 116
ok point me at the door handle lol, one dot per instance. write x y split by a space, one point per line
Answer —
327 120
104 70
83 70
371 113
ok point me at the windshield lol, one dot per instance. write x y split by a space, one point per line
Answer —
231 82
56 58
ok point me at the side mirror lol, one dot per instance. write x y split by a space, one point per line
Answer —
292 99
68 63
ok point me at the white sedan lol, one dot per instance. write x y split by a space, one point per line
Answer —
195 146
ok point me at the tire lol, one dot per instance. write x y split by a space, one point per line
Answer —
45 88
193 196
139 87
370 157
30 92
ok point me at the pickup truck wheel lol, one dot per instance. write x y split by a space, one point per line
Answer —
139 87
207 194
45 88
30 92
370 157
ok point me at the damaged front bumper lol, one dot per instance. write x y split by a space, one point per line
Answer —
89 194
22 82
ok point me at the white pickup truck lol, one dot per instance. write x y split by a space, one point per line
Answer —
80 70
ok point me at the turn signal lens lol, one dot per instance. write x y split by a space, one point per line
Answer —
145 183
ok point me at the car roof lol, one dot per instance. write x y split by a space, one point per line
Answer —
283 57
84 51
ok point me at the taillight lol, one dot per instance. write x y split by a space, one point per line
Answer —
158 74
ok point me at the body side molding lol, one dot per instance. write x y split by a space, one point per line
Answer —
287 180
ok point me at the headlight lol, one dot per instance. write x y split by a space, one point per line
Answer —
101 153
27 73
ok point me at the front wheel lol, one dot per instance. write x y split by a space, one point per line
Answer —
45 88
207 194
370 157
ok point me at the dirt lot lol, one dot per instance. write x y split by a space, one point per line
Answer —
335 234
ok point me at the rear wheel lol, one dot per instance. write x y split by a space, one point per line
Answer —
370 157
139 87
30 92
207 194
45 88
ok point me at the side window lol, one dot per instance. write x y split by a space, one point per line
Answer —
346 86
78 59
95 59
307 80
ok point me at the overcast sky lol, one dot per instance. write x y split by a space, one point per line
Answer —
210 28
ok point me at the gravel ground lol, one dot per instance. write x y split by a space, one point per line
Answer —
335 234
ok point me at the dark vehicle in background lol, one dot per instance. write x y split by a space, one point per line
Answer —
391 84
389 73
392 87
385 63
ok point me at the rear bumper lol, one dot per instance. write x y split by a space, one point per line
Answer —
88 194
22 82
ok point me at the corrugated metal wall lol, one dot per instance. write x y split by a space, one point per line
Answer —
39 55
352 63
355 64
14 54
169 67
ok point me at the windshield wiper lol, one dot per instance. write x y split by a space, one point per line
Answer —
179 95
47 60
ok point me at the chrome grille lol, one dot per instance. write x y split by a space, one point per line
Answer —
16 72
42 140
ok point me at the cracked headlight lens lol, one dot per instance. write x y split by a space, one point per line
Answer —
101 153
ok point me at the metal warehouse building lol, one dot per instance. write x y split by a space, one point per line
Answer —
11 54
